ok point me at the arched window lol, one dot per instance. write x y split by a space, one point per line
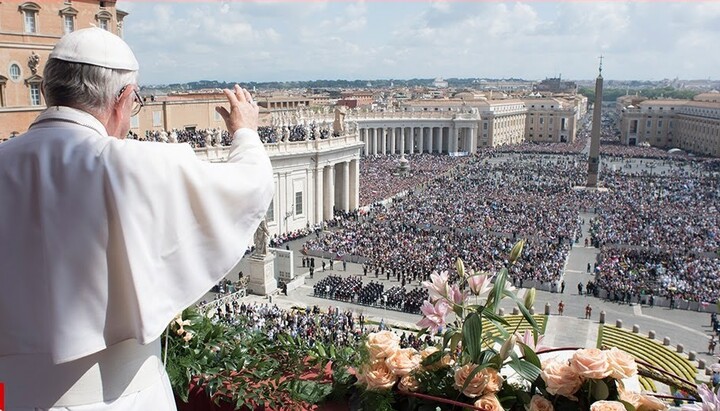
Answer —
30 11
68 15
103 19
14 72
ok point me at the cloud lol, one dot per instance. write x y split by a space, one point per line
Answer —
275 40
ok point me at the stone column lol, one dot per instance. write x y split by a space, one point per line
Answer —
427 140
354 184
402 140
364 138
473 139
345 194
392 140
383 136
378 139
437 135
407 131
319 201
453 146
329 192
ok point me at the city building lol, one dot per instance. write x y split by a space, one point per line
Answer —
555 85
691 125
28 32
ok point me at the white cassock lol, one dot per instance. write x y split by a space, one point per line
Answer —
102 242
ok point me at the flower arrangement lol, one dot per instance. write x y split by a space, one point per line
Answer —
476 370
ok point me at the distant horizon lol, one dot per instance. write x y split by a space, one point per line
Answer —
395 80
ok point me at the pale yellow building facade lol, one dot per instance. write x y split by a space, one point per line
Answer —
692 125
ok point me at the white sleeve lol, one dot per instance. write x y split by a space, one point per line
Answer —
178 225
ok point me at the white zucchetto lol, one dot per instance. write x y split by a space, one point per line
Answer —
96 47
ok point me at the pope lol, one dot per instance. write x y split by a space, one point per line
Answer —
104 240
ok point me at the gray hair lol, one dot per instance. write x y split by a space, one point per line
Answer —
83 86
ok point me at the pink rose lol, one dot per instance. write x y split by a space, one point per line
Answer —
403 361
560 378
476 386
494 380
641 402
650 403
607 406
489 402
622 364
382 344
408 383
591 363
540 403
377 376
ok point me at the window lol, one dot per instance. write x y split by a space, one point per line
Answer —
3 80
542 120
135 121
157 118
15 72
298 203
30 22
648 123
30 11
34 94
68 23
659 123
103 19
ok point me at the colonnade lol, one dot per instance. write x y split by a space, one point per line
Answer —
337 185
418 139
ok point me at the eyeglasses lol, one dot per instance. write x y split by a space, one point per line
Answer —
137 100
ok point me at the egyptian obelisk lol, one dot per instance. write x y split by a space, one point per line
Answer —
594 157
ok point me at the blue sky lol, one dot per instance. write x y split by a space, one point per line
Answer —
285 41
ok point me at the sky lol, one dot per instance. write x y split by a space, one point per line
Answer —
244 41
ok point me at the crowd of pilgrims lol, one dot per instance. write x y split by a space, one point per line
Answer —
481 205
352 289
376 172
312 325
476 212
636 275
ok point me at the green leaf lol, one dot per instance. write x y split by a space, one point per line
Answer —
498 288
447 336
526 369
472 336
530 355
454 341
628 406
521 306
432 358
494 317
600 390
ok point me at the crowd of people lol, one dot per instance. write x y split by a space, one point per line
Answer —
635 275
380 178
311 324
476 211
679 212
352 289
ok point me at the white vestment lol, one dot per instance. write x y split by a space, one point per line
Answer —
102 242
